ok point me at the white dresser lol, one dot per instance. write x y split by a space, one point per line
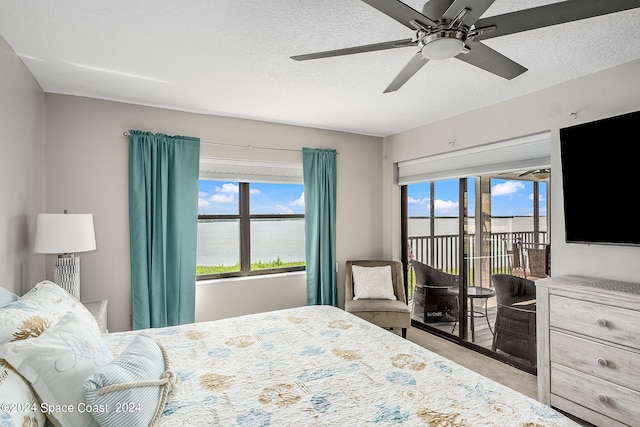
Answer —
589 348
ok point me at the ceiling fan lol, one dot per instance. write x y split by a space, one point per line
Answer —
538 173
453 28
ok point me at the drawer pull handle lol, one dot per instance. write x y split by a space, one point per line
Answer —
602 361
601 322
602 398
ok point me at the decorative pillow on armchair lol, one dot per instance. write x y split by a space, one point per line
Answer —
372 282
37 310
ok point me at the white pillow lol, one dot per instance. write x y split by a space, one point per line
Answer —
56 363
372 282
37 310
20 406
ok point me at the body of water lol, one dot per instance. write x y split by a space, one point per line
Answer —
420 226
219 241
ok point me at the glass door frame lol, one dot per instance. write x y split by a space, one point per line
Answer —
464 262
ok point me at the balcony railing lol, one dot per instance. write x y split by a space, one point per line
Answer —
442 252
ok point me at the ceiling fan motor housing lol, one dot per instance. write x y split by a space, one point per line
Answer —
443 44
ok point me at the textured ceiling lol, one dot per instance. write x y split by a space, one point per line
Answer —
231 58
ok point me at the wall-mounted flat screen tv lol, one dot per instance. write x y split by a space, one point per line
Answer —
600 171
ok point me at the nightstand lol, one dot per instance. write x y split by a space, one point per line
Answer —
99 310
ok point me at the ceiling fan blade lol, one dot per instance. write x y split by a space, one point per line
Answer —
407 72
401 12
482 56
357 49
551 14
476 9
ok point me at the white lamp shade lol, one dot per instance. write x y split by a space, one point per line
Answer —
64 233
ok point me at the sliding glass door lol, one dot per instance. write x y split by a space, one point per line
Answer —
437 245
460 233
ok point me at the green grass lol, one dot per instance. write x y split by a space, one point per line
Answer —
258 265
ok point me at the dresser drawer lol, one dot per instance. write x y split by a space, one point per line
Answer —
606 322
603 361
617 402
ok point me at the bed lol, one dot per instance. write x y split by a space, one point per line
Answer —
306 366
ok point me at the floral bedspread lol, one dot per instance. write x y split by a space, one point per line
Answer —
321 366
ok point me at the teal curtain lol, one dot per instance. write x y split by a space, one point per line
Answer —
163 226
319 170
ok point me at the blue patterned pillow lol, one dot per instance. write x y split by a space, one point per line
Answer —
7 296
119 385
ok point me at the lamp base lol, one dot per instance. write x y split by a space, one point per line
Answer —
66 274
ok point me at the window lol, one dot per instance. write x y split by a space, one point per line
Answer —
249 228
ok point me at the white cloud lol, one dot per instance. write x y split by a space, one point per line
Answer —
254 191
445 207
203 204
283 209
223 198
299 201
228 188
412 200
507 188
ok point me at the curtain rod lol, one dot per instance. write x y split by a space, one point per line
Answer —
250 147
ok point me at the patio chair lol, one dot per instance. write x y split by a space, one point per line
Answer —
517 260
385 313
515 327
434 300
538 262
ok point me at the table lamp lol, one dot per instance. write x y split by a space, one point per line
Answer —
65 234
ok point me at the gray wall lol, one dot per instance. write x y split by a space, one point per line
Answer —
22 196
86 172
603 94
85 159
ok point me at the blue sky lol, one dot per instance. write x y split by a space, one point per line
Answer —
508 198
221 197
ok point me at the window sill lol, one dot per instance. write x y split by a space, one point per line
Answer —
206 282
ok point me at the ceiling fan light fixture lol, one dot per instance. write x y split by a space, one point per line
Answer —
442 45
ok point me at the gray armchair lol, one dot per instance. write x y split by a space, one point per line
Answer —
515 328
382 312
433 299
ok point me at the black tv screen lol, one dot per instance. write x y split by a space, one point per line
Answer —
600 168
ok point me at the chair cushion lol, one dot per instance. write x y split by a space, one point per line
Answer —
397 317
363 305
